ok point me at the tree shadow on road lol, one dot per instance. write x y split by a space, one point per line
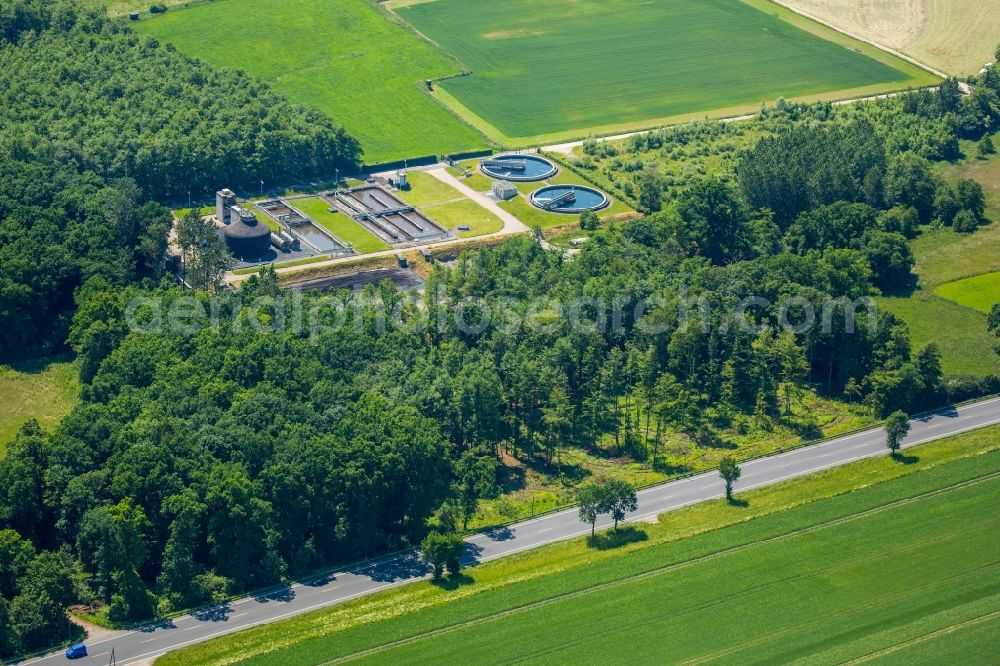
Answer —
150 627
500 533
217 613
284 594
320 581
611 539
404 567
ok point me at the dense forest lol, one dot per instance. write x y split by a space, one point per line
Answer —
236 449
97 124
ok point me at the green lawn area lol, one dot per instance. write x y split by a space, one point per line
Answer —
477 180
871 556
542 67
980 293
468 213
45 390
426 190
341 226
344 58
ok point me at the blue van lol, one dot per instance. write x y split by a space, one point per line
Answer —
76 651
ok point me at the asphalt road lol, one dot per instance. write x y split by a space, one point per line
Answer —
145 644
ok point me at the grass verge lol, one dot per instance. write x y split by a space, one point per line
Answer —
807 550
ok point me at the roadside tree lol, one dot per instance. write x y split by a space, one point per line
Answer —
590 498
897 426
619 499
730 472
443 550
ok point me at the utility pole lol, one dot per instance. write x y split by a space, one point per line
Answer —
262 188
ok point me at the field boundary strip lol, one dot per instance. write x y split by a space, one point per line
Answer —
834 522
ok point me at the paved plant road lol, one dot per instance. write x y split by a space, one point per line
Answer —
144 645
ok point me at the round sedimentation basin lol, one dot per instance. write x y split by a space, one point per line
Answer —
518 168
569 198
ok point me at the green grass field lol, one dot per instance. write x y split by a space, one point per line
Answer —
426 190
542 67
945 259
960 333
341 226
980 293
869 557
465 213
44 390
343 58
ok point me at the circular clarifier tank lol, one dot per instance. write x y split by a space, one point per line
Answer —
569 198
519 168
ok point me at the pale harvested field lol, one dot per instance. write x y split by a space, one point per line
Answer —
955 36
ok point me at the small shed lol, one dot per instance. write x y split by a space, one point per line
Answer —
504 190
133 16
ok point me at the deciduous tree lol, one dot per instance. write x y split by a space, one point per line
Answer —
897 426
730 472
